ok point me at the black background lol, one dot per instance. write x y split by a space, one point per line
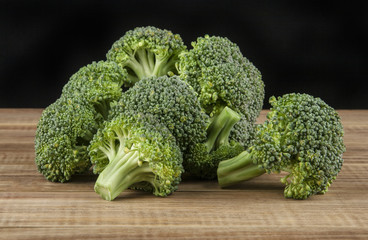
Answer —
316 47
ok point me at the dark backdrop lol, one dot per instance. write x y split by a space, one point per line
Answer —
317 47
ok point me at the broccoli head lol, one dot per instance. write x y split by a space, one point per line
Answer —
231 91
302 136
146 52
98 84
135 150
62 137
223 77
173 102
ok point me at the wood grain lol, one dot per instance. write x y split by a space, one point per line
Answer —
33 208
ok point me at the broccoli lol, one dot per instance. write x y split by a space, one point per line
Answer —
133 148
67 125
302 136
146 52
228 85
98 84
62 137
173 102
222 76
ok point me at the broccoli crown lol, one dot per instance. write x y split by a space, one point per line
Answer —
222 76
98 84
132 149
303 136
62 136
147 51
173 102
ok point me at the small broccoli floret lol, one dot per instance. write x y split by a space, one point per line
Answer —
62 136
173 102
223 77
201 160
302 136
146 52
98 84
134 149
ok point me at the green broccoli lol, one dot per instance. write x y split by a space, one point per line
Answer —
146 52
98 84
224 80
302 136
132 149
62 137
173 102
222 76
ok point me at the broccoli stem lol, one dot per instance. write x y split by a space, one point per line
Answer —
238 169
159 64
219 129
233 118
135 66
145 63
151 59
164 65
139 64
143 58
124 170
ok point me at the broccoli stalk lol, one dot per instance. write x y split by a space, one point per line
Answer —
124 169
202 158
219 129
238 169
145 63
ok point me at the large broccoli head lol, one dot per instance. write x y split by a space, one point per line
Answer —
173 102
133 149
147 51
302 136
62 136
222 76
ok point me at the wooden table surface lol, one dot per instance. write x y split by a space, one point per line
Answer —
33 208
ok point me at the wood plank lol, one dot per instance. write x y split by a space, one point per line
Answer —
33 208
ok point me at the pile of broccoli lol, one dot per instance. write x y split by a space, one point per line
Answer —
155 109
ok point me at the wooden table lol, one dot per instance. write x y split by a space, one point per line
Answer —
33 208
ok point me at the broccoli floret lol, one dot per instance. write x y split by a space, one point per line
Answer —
98 84
223 77
173 102
146 52
302 136
135 149
62 136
